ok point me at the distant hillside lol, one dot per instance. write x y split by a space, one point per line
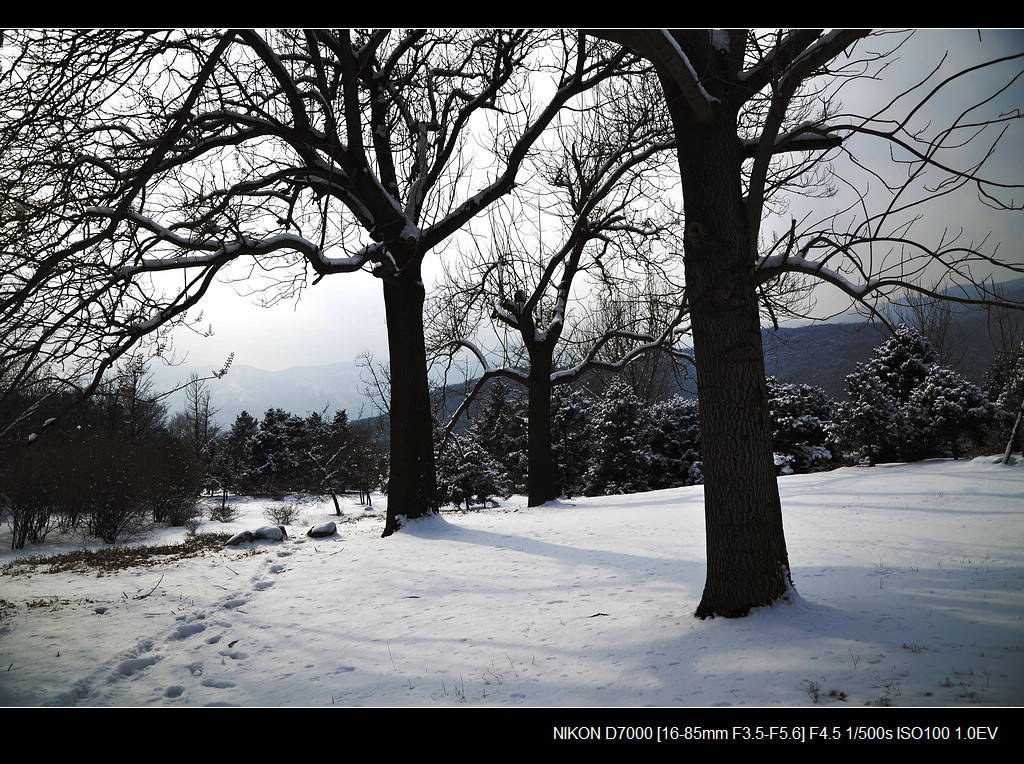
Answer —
819 354
299 390
823 354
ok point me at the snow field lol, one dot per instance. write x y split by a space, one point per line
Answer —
909 583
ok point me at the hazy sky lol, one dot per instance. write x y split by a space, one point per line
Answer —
343 315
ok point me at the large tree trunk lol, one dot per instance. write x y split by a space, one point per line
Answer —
541 476
412 482
746 549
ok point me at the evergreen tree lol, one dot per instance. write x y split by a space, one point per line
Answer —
467 473
327 443
499 427
675 443
279 452
946 412
236 454
904 405
800 418
570 437
1004 384
366 460
620 431
872 424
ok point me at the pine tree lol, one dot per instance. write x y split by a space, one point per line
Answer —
800 418
621 436
467 472
946 412
237 455
1004 384
279 452
905 406
499 427
570 437
328 444
675 443
872 424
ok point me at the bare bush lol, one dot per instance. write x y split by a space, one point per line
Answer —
289 513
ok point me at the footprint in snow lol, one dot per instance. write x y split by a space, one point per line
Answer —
277 568
186 630
264 585
220 684
134 665
233 603
174 691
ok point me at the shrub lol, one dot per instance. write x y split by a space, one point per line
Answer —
284 513
223 513
24 500
905 406
800 418
467 473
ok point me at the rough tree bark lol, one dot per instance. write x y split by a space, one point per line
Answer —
752 113
746 546
541 485
412 486
748 565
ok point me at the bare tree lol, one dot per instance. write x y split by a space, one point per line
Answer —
639 308
752 111
1005 326
198 427
218 154
376 382
598 192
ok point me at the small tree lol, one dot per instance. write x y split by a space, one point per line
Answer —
801 416
328 444
675 443
236 468
366 459
872 422
947 413
467 473
1004 384
279 453
904 405
571 446
620 430
499 427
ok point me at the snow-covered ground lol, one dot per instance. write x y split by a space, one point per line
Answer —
910 581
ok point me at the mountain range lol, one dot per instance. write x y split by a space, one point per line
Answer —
819 354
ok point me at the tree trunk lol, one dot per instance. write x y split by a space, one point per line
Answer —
746 548
337 507
541 476
412 483
1013 435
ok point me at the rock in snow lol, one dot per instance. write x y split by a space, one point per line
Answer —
270 533
239 538
323 530
266 533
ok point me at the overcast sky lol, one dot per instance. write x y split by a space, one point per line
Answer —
343 315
